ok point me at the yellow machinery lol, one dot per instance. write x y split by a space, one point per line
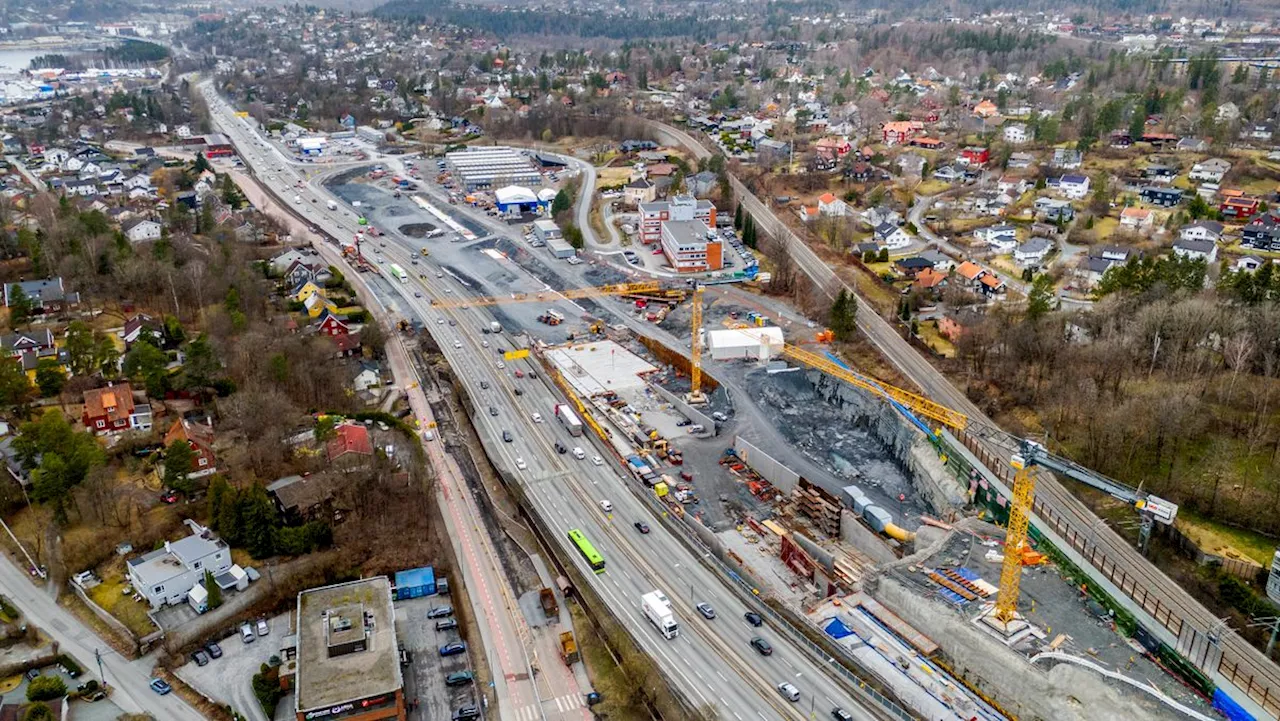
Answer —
695 396
598 292
1015 542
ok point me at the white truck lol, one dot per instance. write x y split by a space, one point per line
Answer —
569 420
399 273
657 608
332 205
297 200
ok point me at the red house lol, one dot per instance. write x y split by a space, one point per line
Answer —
112 410
349 439
898 132
1239 208
199 437
975 156
330 324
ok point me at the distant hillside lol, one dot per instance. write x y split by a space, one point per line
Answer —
507 22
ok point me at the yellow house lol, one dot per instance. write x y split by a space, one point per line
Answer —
303 292
316 304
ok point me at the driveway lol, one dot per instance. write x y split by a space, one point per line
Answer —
424 676
229 679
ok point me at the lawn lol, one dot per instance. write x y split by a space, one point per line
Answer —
607 177
1214 537
932 187
1105 227
110 596
929 334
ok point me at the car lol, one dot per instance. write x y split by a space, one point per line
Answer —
417 294
484 385
720 416
484 343
447 624
493 411
840 714
200 657
683 422
520 464
169 496
753 618
439 321
470 712
452 322
246 632
607 506
263 628
459 678
518 391
641 526
457 344
213 649
439 275
519 373
706 610
501 365
560 448
761 645
597 461
453 648
537 417
506 437
788 691
161 686
440 612
579 453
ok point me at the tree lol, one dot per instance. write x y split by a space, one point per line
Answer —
202 164
50 378
844 316
20 306
573 235
562 203
147 364
59 458
1138 124
737 217
15 387
80 348
39 712
214 590
1040 299
46 688
179 460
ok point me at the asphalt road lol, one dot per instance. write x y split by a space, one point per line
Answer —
1114 552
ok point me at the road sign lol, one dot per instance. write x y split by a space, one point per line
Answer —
516 354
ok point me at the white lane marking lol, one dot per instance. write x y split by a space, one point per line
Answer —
721 676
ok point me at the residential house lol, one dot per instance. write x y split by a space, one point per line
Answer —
941 261
331 324
142 230
1100 260
1205 250
1016 134
368 377
971 273
1247 264
1159 174
948 174
1055 210
1066 158
986 109
166 575
1012 185
1239 207
1075 187
898 132
112 410
929 280
997 235
1263 232
1032 253
831 206
199 437
639 191
911 164
1210 230
47 295
1020 160
974 157
1191 145
1140 220
137 325
892 237
913 266
1162 197
1262 132
306 498
700 184
351 444
1210 171
833 146
879 215
858 172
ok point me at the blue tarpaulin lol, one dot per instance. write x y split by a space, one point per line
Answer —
836 629
1229 708
415 583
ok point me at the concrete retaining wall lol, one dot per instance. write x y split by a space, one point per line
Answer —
693 414
864 539
783 478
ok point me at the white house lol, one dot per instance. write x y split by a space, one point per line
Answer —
138 181
1032 252
1074 186
1015 134
367 378
1210 171
1002 238
831 206
892 237
1202 230
879 215
1139 219
1196 250
142 231
166 575
1247 264
1012 185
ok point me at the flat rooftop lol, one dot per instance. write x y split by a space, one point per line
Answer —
346 644
594 368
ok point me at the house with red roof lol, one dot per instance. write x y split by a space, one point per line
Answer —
350 443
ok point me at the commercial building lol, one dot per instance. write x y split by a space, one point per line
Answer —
493 166
546 230
691 246
516 199
681 207
759 344
348 662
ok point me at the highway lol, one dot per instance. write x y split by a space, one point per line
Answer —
1241 664
711 661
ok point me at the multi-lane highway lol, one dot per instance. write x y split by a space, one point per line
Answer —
711 662
1184 618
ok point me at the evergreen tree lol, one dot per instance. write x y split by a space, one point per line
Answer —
844 315
50 378
737 217
179 460
20 306
215 591
562 203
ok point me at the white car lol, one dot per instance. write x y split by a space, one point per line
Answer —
501 365
537 417
521 464
439 321
579 453
457 344
597 461
607 506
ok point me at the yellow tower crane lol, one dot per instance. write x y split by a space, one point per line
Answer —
696 396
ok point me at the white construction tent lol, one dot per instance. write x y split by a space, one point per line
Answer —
758 344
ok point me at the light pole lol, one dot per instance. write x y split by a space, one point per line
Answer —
97 656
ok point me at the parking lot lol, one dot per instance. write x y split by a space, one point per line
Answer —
229 679
424 676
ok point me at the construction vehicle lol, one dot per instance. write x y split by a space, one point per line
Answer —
657 608
568 648
597 326
597 292
547 598
696 396
551 317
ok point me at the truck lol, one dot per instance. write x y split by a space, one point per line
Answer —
495 326
657 608
398 273
551 317
547 598
569 420
333 205
568 648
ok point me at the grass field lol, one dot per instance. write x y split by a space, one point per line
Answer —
110 595
929 334
1214 537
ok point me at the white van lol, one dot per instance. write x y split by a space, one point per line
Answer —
579 454
791 693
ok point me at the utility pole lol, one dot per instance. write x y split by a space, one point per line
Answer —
1271 622
97 656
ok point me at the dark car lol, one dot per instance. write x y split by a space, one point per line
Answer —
560 448
213 649
519 392
459 678
493 411
506 436
840 714
466 713
447 624
762 646
684 422
453 649
484 385
440 612
642 527
201 658
753 618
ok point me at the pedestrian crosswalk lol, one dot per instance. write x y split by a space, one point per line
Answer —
561 704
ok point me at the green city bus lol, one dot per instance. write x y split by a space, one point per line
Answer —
588 551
